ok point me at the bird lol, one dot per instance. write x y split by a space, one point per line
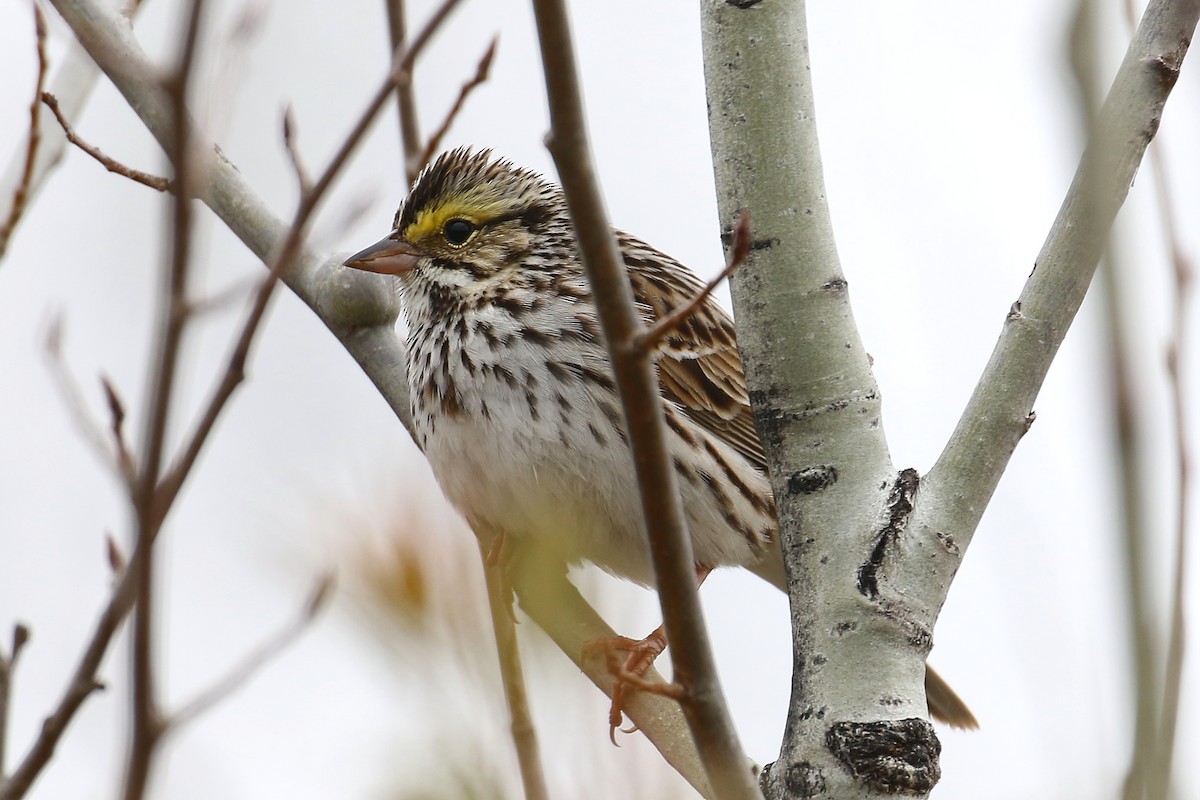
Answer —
513 398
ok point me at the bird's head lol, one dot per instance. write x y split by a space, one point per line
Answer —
468 212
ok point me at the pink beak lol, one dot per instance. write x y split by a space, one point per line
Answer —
390 256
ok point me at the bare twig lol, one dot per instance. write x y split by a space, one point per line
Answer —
8 666
111 164
253 662
524 735
674 566
21 194
739 249
481 75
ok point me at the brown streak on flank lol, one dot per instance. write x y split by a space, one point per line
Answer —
754 498
680 430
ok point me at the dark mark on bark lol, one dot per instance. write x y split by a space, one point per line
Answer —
948 542
804 780
899 508
892 756
812 479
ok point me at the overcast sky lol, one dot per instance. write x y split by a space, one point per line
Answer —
949 133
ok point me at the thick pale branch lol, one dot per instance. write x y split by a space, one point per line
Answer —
674 566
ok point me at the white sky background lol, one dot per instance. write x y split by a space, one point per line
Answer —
949 134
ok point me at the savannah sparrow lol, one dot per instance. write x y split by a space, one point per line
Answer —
513 398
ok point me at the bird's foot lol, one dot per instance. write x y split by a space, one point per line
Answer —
641 654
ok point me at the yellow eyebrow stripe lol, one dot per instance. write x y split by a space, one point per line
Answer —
429 221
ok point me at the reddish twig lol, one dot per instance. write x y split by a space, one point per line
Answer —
111 164
21 194
739 249
481 75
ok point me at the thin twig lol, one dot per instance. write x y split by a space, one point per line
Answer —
21 193
406 104
8 666
524 735
739 249
111 164
481 75
674 565
254 661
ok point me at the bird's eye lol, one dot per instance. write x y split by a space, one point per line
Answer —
457 231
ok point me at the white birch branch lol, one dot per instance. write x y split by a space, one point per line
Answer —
857 666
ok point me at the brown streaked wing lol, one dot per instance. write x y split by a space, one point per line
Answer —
698 364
